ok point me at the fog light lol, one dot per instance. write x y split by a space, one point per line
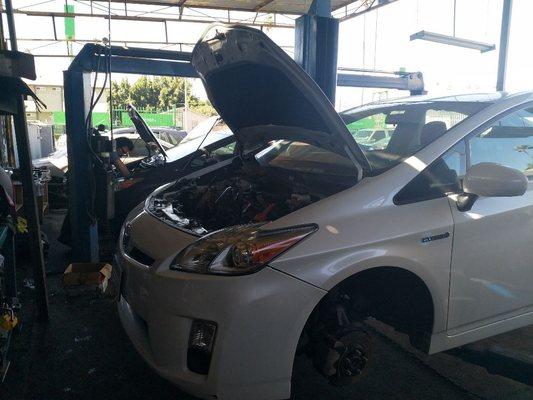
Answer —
202 335
201 340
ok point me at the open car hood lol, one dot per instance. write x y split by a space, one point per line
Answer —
143 129
262 94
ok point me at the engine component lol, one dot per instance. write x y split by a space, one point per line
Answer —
203 206
239 193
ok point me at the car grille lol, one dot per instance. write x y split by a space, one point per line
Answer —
140 256
133 252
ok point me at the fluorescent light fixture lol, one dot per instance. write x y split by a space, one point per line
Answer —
453 41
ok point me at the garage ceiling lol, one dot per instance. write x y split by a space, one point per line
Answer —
270 6
168 14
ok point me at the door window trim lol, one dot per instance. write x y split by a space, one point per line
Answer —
466 139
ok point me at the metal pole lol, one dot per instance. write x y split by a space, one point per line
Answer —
30 211
11 25
29 199
2 34
84 228
316 45
185 106
454 15
504 43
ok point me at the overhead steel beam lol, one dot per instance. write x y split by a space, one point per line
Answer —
504 43
54 14
127 65
125 43
372 7
262 4
156 42
234 7
413 81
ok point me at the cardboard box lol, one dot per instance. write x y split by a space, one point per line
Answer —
83 278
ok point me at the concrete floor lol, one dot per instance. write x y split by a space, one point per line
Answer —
83 353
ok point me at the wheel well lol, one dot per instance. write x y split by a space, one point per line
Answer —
392 295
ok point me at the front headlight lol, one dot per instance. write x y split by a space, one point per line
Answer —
239 250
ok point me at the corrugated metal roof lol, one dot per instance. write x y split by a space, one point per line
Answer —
270 6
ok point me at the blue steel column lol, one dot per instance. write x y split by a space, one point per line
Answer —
316 46
84 230
504 43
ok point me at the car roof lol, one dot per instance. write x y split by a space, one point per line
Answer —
127 134
489 97
164 128
131 130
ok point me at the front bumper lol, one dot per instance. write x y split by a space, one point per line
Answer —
259 320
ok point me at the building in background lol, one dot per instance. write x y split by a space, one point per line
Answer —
54 114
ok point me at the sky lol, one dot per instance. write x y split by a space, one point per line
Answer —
377 40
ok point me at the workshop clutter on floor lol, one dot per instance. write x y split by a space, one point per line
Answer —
91 278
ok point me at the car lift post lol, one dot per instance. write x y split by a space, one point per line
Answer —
316 38
77 82
316 45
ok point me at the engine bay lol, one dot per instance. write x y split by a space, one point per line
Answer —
240 193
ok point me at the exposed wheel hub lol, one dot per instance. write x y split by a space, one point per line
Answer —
352 363
344 357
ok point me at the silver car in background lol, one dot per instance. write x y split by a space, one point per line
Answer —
293 242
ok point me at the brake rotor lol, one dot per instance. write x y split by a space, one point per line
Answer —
349 359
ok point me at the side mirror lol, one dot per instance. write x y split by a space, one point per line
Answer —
490 180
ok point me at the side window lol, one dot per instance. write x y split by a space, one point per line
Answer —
455 159
439 179
509 142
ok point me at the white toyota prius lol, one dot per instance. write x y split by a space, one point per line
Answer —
302 234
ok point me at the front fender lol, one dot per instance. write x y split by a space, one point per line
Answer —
327 270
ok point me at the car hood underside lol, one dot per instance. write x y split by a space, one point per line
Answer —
253 83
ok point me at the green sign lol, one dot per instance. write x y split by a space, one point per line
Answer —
122 119
70 28
151 119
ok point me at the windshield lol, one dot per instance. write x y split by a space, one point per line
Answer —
58 153
144 130
216 131
200 130
390 133
304 157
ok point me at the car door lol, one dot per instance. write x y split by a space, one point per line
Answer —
492 259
